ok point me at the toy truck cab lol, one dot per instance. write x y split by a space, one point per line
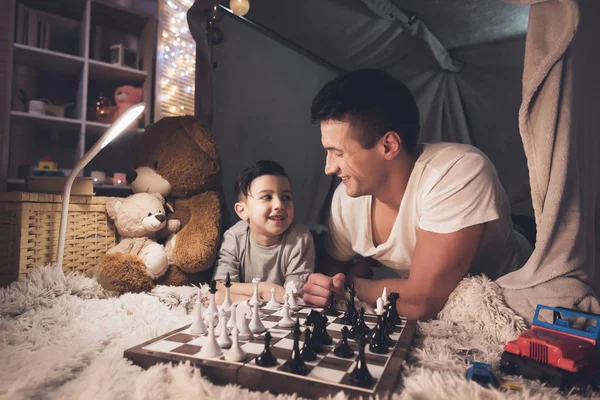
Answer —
558 353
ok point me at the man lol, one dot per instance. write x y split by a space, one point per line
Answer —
433 211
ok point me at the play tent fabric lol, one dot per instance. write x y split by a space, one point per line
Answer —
261 102
559 123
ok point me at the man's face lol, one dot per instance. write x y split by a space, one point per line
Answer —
359 169
268 208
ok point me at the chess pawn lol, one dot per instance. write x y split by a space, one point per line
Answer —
224 340
222 326
226 306
343 349
255 300
266 358
236 353
198 326
211 349
273 304
244 330
286 321
256 325
212 310
232 323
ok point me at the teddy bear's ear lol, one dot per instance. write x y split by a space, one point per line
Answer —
112 206
159 196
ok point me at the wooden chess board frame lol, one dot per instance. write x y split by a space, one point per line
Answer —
248 375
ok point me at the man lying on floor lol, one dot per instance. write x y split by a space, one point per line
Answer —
432 211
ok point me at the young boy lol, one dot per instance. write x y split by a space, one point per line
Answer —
265 244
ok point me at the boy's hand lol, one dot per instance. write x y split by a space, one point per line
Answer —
318 287
265 291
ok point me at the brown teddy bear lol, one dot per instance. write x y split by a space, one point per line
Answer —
178 158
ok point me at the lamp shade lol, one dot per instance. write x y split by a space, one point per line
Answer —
239 7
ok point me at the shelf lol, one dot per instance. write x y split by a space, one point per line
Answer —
113 72
46 121
17 181
98 128
47 60
72 9
114 16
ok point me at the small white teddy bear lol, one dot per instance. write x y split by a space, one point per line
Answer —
138 218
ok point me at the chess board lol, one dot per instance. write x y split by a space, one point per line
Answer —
328 374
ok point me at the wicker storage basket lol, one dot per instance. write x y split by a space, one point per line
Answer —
29 227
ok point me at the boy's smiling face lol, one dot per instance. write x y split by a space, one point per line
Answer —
268 208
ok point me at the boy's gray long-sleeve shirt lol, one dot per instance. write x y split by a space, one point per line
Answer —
292 260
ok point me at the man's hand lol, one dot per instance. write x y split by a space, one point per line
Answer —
318 287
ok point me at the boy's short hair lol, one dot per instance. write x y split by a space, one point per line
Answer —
373 103
248 175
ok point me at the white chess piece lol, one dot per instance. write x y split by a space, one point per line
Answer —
273 304
292 301
255 296
286 321
256 325
198 326
379 310
222 326
384 296
232 323
212 310
211 349
236 353
224 340
226 306
245 332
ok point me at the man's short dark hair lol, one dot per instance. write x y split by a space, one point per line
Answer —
373 103
248 175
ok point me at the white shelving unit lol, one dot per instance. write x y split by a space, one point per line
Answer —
78 73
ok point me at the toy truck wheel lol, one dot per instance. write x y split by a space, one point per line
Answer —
510 364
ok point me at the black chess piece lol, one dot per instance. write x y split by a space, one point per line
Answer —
362 326
393 318
307 351
343 349
360 375
330 307
314 319
266 358
354 329
295 363
378 341
228 281
324 336
386 328
348 313
212 287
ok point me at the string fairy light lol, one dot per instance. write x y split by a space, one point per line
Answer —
176 59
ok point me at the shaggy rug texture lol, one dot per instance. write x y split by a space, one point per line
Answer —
62 337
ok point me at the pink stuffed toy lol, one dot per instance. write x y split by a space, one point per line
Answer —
125 97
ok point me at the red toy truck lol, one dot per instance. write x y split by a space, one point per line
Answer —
557 353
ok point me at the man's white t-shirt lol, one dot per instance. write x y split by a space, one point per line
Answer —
452 186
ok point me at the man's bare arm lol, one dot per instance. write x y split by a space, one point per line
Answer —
439 263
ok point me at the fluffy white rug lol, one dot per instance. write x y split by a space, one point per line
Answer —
63 338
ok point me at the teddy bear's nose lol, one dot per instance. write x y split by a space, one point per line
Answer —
160 217
131 176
